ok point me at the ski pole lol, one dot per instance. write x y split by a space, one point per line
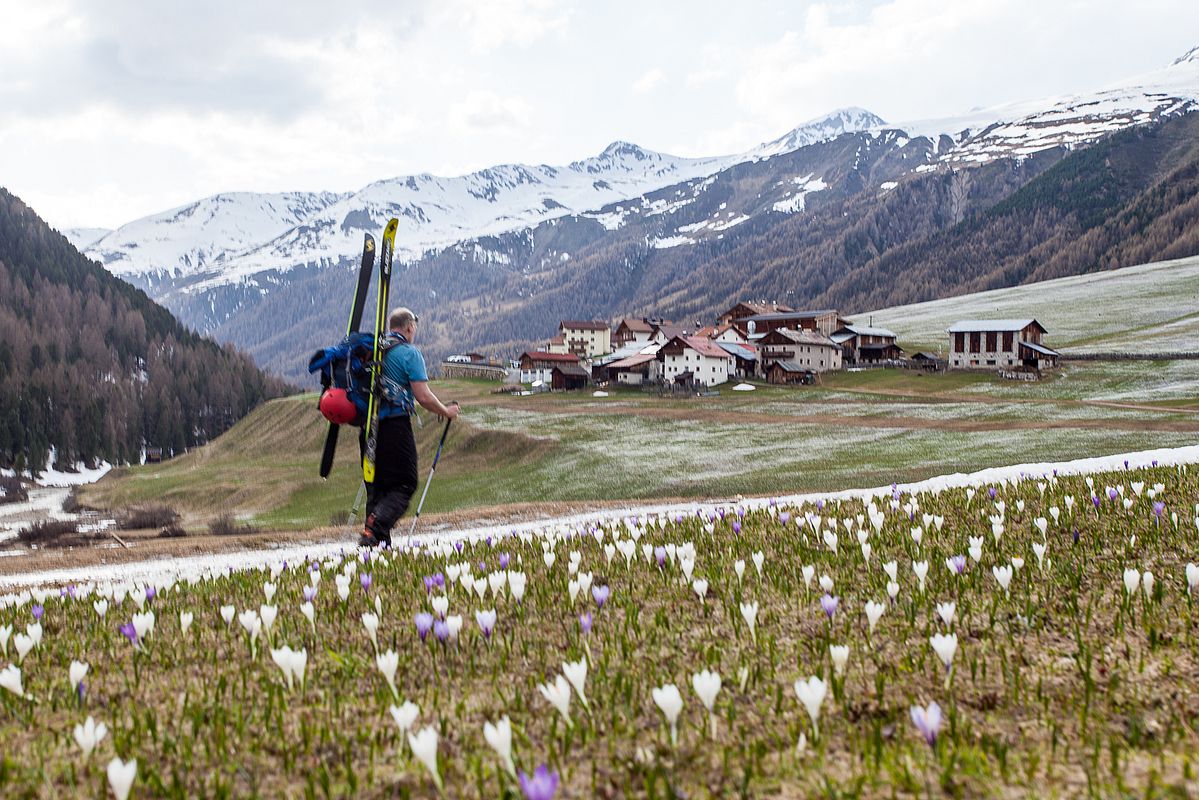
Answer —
432 469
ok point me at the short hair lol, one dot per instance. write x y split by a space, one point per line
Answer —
400 318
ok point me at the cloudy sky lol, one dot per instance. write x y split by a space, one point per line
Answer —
113 110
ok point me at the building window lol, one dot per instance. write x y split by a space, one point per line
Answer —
991 341
1007 341
975 342
959 342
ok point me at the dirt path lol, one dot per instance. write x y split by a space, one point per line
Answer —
147 545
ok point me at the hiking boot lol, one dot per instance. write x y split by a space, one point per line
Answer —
367 539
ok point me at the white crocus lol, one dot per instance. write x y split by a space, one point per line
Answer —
24 644
1132 578
185 621
517 583
388 663
920 568
558 695
227 613
945 645
739 568
700 587
707 686
10 679
749 612
268 614
76 673
840 657
424 747
88 735
309 613
404 716
811 694
874 612
1147 584
946 612
371 623
121 775
759 560
892 570
101 607
1003 575
499 738
1192 573
576 673
5 633
268 591
1038 550
668 699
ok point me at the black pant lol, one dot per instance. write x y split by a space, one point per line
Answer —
395 475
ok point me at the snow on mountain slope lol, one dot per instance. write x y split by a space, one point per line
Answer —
83 238
207 234
1019 129
231 237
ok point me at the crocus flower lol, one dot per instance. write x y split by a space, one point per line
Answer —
499 737
129 632
736 527
956 564
660 555
541 785
601 594
309 594
668 699
38 610
585 622
424 624
88 735
486 620
829 604
505 559
365 580
441 630
121 775
811 694
10 679
424 747
928 721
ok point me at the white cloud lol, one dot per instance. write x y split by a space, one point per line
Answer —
649 81
489 112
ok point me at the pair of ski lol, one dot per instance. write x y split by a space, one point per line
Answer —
365 272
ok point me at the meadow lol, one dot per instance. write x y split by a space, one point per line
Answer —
1025 637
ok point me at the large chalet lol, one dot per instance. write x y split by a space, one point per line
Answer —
1006 343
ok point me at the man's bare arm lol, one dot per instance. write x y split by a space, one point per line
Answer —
424 395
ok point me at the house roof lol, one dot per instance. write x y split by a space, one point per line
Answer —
1037 348
632 361
924 355
538 355
866 330
784 315
703 346
841 336
583 325
573 370
559 339
670 330
881 347
745 352
761 308
789 366
803 337
992 325
636 325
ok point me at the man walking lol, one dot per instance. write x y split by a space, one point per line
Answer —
405 383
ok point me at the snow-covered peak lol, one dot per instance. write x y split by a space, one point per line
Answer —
207 233
823 128
83 238
1189 57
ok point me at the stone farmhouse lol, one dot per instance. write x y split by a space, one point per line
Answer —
999 343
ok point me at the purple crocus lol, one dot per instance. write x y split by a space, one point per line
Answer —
81 691
428 580
151 593
928 720
784 518
959 564
504 560
820 505
736 527
458 545
1158 508
660 555
1076 535
424 624
365 580
829 604
438 580
585 621
129 632
441 630
38 610
309 594
1126 463
991 491
600 593
1112 494
542 784
1095 501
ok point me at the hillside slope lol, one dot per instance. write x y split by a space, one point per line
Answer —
91 368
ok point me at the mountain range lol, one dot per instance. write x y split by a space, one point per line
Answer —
844 210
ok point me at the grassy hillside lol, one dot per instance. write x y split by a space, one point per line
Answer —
1149 307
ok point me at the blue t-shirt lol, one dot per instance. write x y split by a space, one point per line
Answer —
403 364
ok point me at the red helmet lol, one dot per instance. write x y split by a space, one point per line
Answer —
337 407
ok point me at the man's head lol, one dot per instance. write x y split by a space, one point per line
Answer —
402 320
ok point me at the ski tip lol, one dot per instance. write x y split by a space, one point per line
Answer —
369 242
392 225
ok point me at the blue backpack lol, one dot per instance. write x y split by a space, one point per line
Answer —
347 365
